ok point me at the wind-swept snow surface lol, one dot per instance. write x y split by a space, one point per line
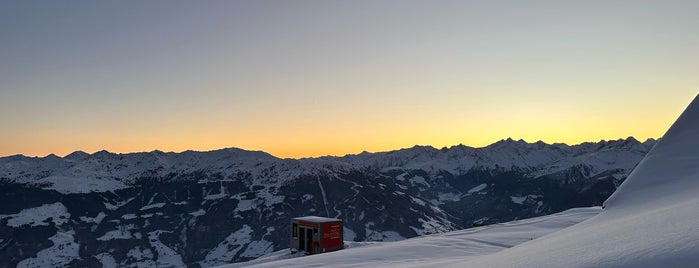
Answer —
426 249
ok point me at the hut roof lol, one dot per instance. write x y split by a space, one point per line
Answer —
316 219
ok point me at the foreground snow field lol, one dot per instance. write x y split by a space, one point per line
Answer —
427 249
652 220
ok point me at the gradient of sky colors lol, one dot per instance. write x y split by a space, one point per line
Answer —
311 78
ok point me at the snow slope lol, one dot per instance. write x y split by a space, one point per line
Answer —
425 249
64 250
36 216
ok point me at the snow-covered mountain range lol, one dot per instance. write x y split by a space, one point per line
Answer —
211 208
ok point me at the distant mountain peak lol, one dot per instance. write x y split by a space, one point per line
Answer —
77 154
102 153
507 143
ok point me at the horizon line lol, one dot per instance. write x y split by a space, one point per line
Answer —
321 156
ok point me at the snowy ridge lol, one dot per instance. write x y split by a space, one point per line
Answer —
103 171
538 158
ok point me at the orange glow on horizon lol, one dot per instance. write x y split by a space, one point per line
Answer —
310 148
322 134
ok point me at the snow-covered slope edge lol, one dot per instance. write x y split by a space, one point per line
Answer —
468 243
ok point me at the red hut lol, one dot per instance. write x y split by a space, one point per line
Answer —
313 234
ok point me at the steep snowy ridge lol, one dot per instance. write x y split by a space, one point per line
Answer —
210 208
510 154
104 171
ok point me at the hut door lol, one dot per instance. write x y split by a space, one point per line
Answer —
302 239
309 240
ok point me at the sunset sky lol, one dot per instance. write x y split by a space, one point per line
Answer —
311 78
